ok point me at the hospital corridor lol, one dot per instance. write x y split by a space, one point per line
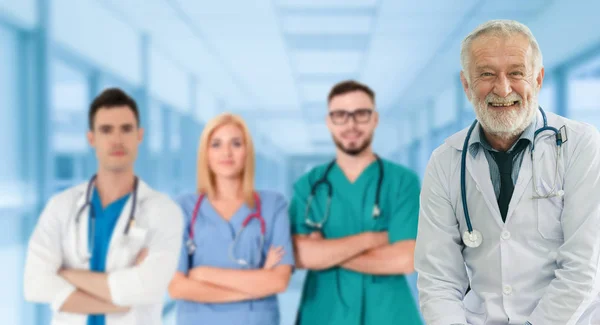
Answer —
271 62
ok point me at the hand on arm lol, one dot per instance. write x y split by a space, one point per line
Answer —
396 258
43 282
269 280
92 295
210 285
147 282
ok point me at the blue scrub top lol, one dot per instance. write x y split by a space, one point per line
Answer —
213 236
106 219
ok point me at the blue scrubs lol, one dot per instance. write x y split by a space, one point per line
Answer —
213 236
106 219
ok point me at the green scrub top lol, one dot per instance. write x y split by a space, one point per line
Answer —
339 296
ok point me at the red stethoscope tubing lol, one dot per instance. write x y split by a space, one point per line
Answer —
256 214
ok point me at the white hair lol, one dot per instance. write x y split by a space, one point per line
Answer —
504 28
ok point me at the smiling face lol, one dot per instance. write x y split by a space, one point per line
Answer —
502 83
352 121
227 151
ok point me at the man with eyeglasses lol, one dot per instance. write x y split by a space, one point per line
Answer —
354 224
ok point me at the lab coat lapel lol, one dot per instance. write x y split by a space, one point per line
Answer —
526 171
524 181
479 170
80 240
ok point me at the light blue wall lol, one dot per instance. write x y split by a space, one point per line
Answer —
50 70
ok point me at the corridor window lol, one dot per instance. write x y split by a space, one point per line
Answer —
583 94
70 97
547 96
155 130
11 187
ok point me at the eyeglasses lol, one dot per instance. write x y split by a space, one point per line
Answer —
361 115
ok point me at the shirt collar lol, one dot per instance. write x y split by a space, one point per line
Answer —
478 140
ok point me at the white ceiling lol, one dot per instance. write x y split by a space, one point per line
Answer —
275 61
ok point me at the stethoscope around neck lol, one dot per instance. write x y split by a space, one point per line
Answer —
472 237
88 204
324 181
257 214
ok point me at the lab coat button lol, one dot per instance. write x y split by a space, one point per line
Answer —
507 290
505 235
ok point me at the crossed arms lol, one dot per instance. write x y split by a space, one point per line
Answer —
205 284
368 252
85 292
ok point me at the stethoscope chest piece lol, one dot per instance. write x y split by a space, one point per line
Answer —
376 211
191 246
473 238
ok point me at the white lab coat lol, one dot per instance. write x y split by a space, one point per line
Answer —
158 227
541 265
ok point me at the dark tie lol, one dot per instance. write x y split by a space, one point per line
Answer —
504 160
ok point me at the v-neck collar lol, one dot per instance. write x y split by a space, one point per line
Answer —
209 210
365 174
97 201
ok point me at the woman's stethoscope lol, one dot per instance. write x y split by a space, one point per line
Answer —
88 203
323 180
472 237
191 246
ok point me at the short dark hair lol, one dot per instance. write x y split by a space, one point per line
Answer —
349 86
112 97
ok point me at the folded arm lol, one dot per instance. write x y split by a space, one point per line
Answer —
316 253
92 294
42 283
256 283
396 258
148 282
184 288
80 302
92 283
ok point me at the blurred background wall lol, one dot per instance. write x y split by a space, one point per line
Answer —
271 61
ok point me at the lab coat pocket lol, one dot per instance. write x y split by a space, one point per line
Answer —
129 247
549 212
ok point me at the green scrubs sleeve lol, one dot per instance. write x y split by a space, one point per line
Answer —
405 212
297 207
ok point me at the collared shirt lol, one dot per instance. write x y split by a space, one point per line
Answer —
478 141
